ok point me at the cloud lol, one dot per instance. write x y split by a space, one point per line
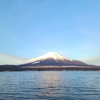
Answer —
93 60
9 59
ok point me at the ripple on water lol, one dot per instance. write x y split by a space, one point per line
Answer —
50 85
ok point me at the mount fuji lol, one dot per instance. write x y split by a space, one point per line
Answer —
50 61
53 59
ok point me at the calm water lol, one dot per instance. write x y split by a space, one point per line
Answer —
50 85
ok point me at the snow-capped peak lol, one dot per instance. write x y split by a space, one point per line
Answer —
53 55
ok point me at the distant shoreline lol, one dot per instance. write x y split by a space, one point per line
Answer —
48 68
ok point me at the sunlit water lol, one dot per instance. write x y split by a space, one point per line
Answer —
50 85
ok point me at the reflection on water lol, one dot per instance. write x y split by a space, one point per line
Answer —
50 85
50 79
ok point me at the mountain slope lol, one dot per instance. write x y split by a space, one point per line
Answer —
53 59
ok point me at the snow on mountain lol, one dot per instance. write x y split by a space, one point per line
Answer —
52 55
53 59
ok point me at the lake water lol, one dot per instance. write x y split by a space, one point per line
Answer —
50 85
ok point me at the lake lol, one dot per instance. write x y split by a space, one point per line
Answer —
50 85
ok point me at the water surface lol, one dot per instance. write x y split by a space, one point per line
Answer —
50 85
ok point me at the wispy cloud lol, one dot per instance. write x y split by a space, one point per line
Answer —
93 60
10 59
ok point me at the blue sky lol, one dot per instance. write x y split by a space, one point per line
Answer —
30 28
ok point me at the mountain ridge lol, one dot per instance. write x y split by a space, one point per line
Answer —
53 59
53 55
50 61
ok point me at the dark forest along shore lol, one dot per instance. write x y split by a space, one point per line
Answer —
48 68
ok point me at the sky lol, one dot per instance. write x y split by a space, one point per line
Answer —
31 28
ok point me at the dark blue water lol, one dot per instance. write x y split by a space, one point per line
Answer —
50 85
